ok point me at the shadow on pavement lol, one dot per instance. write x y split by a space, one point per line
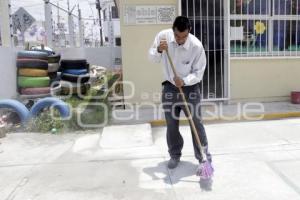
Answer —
177 175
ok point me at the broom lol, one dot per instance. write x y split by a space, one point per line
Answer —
205 169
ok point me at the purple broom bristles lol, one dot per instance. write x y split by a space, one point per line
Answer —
205 170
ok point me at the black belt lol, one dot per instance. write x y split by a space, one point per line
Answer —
166 82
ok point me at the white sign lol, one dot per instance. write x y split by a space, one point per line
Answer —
22 20
146 14
166 14
139 15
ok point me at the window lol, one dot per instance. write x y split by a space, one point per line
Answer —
118 41
207 19
264 27
114 12
105 15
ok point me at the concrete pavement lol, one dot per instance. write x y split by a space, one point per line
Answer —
253 161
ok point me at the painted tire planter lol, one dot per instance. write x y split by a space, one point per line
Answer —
17 107
75 78
54 58
75 71
56 89
32 63
33 82
61 106
35 91
54 82
47 51
295 97
33 96
53 67
73 64
52 75
55 77
33 54
32 72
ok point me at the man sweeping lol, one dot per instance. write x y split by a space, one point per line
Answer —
181 51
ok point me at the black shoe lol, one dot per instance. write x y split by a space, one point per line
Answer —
173 163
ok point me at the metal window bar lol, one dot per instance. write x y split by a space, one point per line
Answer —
227 50
201 38
207 21
221 45
267 46
215 62
278 28
296 37
194 16
247 28
284 32
208 50
241 24
291 24
285 18
270 29
260 23
235 26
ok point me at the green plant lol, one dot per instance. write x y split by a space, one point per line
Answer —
90 114
45 122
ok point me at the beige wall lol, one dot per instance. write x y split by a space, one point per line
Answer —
264 79
136 40
8 83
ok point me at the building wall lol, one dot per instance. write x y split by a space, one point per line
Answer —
258 79
264 79
136 40
8 88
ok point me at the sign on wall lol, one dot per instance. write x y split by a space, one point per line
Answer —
143 14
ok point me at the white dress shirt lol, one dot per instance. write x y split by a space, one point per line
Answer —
189 59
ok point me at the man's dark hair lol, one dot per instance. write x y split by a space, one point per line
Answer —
182 24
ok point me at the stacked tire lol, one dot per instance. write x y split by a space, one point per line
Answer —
32 74
53 67
74 77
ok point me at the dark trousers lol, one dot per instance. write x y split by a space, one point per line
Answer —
172 105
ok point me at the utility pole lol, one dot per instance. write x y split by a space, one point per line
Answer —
61 37
81 33
6 23
98 7
48 23
71 25
111 37
58 26
58 17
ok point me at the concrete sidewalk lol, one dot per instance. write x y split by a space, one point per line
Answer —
253 161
